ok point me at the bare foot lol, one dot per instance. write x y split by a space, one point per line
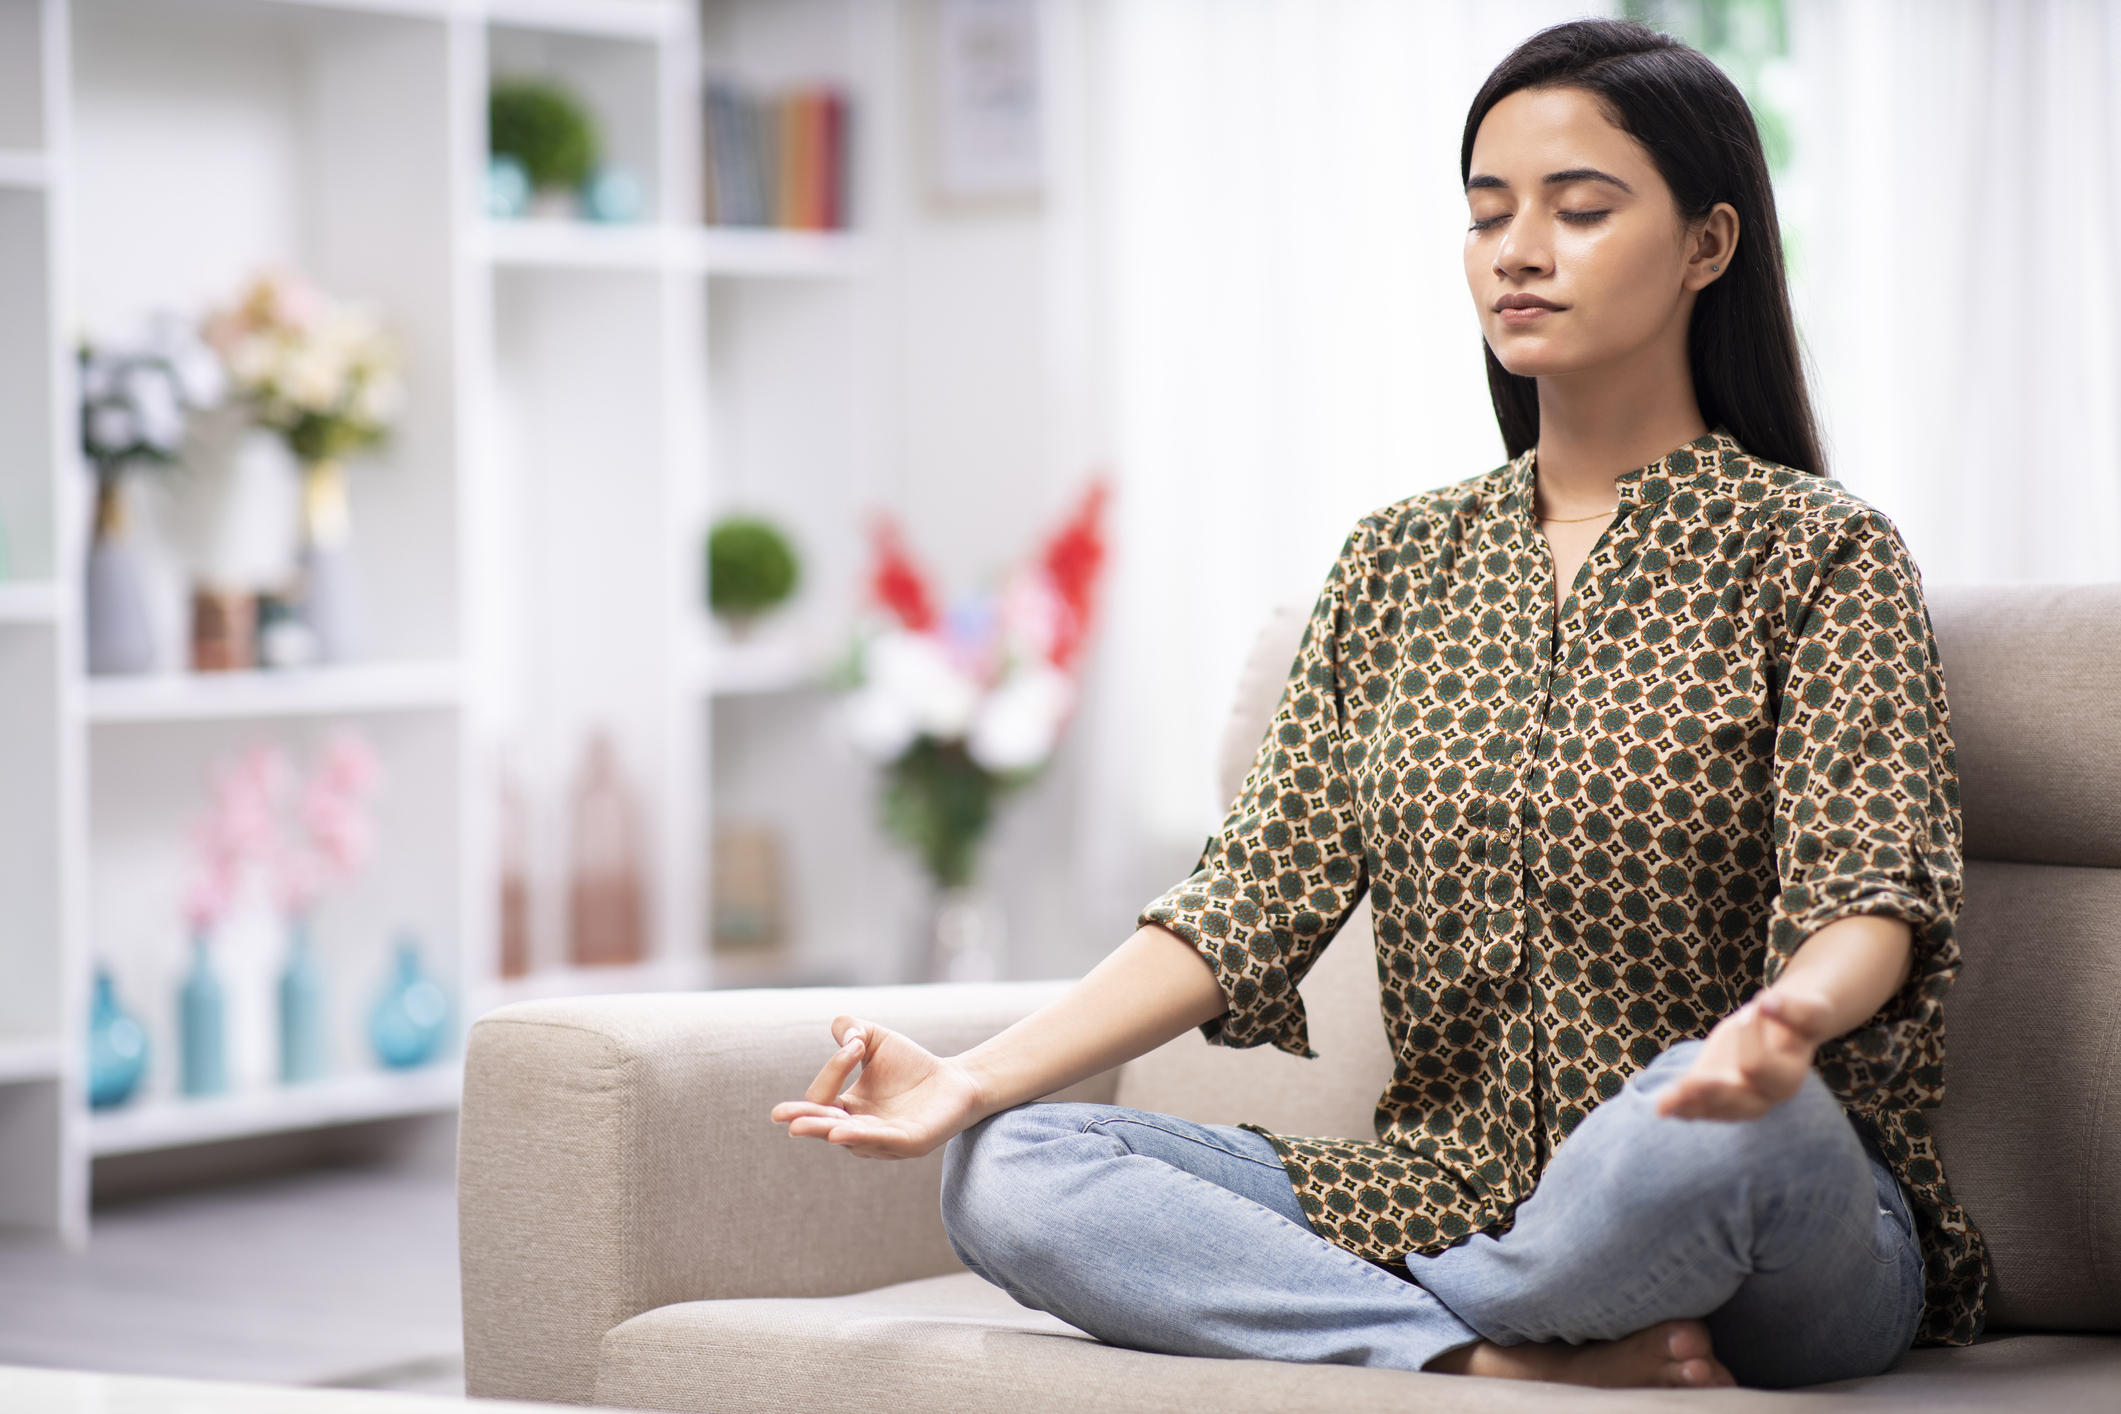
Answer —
1671 1353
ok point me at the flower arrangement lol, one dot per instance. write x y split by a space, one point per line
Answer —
319 371
246 829
136 397
962 707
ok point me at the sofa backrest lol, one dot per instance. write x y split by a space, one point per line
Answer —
2030 1132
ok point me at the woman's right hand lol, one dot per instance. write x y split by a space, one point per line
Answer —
906 1103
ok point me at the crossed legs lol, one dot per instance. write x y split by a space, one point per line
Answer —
1151 1232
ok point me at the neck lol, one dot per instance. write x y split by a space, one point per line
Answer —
1597 425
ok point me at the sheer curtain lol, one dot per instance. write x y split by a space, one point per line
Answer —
1954 190
1290 343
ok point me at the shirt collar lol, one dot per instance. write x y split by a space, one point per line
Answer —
1645 485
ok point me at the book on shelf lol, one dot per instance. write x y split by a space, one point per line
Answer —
777 159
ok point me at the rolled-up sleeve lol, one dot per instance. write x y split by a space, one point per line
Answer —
1866 817
1276 882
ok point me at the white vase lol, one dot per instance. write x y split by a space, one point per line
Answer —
970 936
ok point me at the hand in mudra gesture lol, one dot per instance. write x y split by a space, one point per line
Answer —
905 1103
1756 1058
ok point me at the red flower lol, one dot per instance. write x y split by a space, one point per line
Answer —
897 583
1072 560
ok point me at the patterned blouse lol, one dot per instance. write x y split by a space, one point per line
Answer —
1587 840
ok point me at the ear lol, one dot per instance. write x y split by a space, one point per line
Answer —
1711 244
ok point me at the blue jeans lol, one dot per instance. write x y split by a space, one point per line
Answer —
1787 1235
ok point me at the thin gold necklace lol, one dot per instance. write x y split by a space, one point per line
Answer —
1579 520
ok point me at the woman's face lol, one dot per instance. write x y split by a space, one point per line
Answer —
1577 255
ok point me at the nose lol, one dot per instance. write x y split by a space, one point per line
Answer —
1524 251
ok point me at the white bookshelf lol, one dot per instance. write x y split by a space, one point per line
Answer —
582 400
29 603
353 1099
335 691
23 169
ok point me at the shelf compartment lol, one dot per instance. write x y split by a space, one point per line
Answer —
31 1058
193 697
29 602
24 169
353 1099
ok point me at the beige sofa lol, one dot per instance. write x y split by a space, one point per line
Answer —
635 1232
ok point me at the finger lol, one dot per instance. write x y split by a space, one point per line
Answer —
833 1078
787 1110
814 1127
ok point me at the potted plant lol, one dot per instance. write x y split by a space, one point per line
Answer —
751 568
544 144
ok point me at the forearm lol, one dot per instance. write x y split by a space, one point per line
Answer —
1853 966
1153 987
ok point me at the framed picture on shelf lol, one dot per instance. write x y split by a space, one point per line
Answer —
989 98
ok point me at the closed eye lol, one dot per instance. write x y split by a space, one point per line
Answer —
1584 218
1485 223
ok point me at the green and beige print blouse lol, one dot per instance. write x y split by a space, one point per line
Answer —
1590 836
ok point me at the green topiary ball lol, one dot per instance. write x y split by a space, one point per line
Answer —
546 128
751 567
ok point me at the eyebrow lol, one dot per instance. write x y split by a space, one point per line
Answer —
1573 174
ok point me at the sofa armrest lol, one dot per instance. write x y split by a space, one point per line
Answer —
615 1155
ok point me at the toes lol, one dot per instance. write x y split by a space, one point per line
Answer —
1687 1340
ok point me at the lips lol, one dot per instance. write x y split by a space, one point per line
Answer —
1524 301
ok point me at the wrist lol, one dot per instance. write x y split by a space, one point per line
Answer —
984 1088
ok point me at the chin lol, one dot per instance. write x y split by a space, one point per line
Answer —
1536 362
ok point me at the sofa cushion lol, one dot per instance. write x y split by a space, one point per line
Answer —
954 1345
2034 681
2030 1129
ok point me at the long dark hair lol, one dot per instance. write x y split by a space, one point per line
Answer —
1748 371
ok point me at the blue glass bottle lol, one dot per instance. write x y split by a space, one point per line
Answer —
200 1011
410 1018
302 1049
117 1048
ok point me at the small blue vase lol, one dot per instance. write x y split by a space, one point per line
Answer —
200 1011
508 190
613 195
117 1048
410 1018
302 1050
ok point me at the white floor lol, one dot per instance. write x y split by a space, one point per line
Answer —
342 1277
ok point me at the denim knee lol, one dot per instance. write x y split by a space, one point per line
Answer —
988 1215
1801 1137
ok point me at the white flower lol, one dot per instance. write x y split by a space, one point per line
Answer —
112 429
377 400
1020 722
910 689
312 377
99 376
152 391
877 724
254 359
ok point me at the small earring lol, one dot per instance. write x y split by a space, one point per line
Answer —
1715 267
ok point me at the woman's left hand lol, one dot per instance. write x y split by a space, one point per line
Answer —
1755 1058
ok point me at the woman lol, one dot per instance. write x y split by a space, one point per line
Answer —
1638 747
